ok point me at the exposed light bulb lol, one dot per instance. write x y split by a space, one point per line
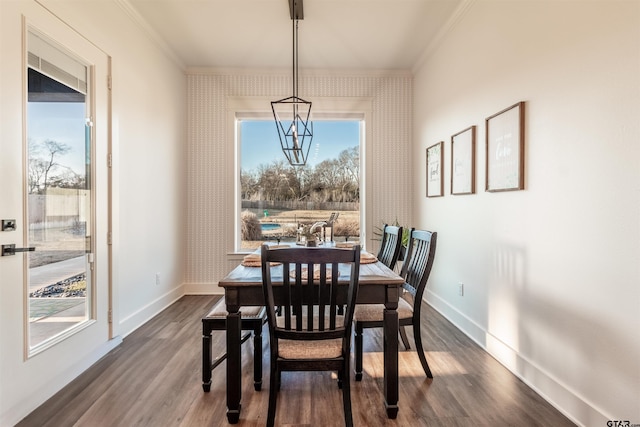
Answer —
296 145
295 138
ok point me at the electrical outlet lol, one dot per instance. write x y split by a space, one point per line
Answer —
461 289
157 278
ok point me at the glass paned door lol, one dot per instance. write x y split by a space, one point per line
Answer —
59 194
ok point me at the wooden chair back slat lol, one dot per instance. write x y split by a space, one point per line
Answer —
390 245
419 261
310 285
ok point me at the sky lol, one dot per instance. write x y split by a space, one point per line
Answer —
260 143
63 122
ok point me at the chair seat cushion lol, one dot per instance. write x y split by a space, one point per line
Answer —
374 312
219 310
320 349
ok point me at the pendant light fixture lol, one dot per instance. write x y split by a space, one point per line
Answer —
292 114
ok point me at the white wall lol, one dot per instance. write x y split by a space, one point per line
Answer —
551 273
151 142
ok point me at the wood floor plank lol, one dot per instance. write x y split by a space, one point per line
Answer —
154 379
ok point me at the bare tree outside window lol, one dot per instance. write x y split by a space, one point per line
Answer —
43 166
278 199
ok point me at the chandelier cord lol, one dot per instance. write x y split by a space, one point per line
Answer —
295 65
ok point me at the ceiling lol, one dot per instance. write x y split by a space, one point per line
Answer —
334 34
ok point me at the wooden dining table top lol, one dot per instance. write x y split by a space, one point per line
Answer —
371 273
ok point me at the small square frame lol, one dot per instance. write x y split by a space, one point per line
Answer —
435 161
463 161
505 149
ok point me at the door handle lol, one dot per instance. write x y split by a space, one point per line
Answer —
12 250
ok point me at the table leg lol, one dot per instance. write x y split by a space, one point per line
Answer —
206 358
390 329
234 374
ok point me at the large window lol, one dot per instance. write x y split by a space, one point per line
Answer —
276 199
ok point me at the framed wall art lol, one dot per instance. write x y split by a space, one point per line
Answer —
435 157
505 149
463 162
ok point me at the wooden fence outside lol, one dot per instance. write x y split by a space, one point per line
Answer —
293 205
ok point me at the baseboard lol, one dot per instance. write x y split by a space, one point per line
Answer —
202 289
132 322
557 394
41 394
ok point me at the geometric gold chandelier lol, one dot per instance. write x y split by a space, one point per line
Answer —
292 114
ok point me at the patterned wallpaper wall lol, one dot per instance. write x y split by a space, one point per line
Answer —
210 154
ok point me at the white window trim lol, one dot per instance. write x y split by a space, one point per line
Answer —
326 108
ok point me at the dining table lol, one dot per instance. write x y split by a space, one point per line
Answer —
378 284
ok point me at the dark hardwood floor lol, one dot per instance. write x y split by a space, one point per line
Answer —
154 379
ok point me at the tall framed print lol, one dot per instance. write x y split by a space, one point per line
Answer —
505 149
463 162
435 157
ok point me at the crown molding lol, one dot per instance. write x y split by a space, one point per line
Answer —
448 26
303 72
153 35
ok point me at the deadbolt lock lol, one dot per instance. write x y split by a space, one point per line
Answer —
8 225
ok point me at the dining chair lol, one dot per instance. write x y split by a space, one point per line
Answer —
309 334
390 245
216 320
415 271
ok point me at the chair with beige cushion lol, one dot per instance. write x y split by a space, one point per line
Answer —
415 270
216 320
310 335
